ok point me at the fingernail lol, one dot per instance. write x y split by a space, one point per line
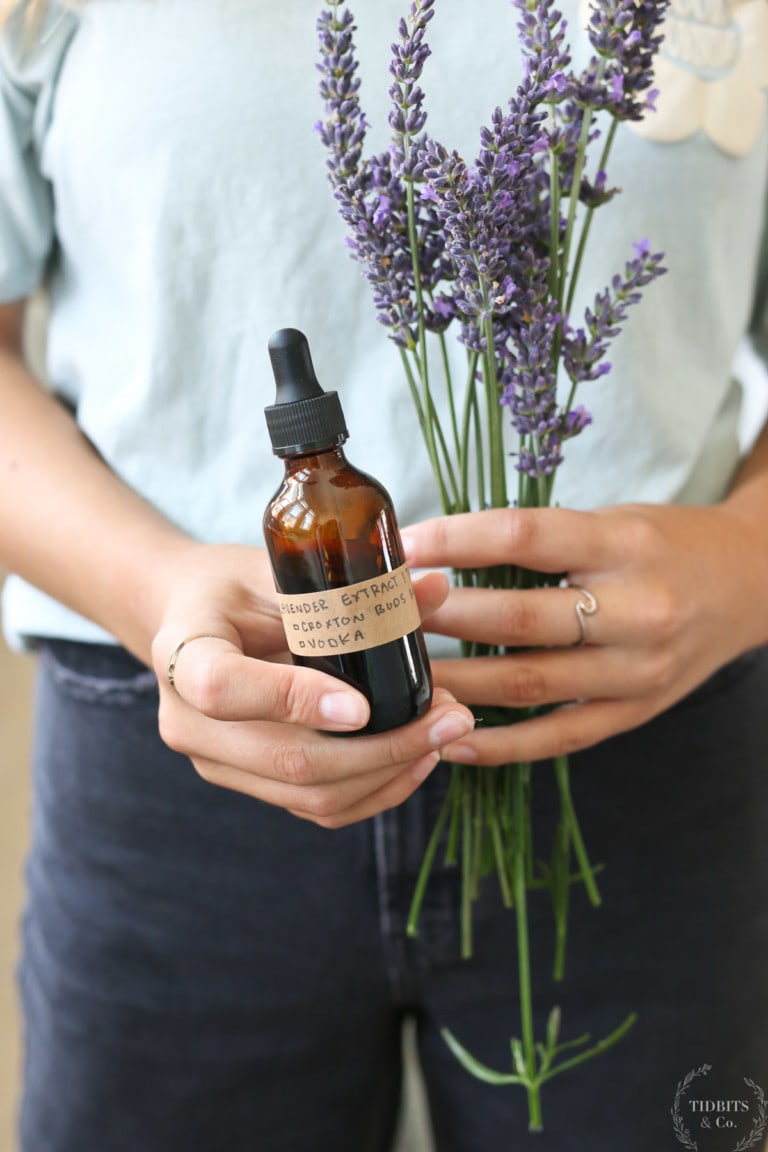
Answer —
422 768
450 727
343 708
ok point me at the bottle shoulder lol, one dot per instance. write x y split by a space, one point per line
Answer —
330 524
329 487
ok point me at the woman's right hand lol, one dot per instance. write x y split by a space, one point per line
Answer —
251 721
246 717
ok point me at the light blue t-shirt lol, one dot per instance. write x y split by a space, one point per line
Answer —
159 164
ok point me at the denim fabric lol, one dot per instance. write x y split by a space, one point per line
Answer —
202 972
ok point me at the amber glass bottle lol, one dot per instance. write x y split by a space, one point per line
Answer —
330 530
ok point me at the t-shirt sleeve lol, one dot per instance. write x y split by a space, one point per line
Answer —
29 70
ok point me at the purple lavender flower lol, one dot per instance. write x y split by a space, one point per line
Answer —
343 130
575 421
546 56
624 34
529 390
595 192
373 206
584 348
371 193
490 220
485 237
409 55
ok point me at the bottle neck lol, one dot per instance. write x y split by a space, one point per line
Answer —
326 460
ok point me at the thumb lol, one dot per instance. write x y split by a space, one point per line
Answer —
213 676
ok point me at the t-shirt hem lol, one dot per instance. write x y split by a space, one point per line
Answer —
30 616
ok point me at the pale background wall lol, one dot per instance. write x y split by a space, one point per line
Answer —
15 692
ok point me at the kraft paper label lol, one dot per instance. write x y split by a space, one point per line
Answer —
351 619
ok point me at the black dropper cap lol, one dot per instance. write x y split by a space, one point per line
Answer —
303 417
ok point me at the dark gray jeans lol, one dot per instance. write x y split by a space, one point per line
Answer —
202 972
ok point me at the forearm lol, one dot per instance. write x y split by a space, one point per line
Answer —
748 501
70 526
750 485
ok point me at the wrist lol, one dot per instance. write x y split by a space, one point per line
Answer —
745 559
197 587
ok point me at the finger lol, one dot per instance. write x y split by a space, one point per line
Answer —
543 539
305 757
611 613
214 677
629 612
431 590
559 733
390 795
331 805
532 679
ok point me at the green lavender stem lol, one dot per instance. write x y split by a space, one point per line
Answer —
548 1053
466 864
568 813
428 861
497 837
561 890
522 775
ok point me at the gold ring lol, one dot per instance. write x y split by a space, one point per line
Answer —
584 607
175 654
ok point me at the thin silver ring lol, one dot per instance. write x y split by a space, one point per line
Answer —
177 650
586 605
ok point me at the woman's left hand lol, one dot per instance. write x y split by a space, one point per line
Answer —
680 591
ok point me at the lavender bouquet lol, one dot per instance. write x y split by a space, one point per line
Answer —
492 252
